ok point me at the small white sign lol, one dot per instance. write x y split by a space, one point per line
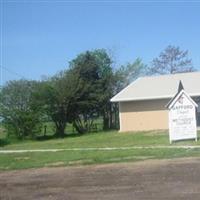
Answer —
182 117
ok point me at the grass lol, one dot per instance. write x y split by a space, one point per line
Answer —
66 158
101 139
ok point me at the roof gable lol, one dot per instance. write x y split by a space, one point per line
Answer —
173 101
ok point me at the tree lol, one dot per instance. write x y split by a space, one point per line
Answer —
95 72
85 70
55 97
18 110
73 95
172 60
119 79
106 84
128 73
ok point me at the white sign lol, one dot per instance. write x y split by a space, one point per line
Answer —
182 118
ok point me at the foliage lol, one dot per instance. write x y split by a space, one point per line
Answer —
78 95
20 114
106 86
99 83
55 96
86 69
128 73
172 60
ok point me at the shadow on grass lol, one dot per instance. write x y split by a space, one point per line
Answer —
14 140
51 137
4 142
70 135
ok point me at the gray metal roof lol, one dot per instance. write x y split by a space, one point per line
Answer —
159 87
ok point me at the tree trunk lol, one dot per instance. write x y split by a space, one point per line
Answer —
60 129
78 125
105 122
110 117
116 113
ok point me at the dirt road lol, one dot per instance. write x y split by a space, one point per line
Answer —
148 180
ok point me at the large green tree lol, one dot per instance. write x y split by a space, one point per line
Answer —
99 83
86 75
56 96
106 84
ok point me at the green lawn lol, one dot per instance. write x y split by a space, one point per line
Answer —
101 139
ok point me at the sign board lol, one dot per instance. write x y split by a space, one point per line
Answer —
182 117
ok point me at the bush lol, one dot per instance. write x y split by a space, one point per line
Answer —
20 114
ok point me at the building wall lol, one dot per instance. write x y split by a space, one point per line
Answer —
143 115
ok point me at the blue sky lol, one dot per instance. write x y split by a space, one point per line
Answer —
41 37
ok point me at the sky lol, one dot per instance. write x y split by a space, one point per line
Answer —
39 38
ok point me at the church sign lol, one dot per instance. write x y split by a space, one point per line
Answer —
182 116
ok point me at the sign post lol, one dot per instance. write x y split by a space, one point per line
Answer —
182 116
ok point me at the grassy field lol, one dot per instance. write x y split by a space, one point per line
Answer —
101 139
